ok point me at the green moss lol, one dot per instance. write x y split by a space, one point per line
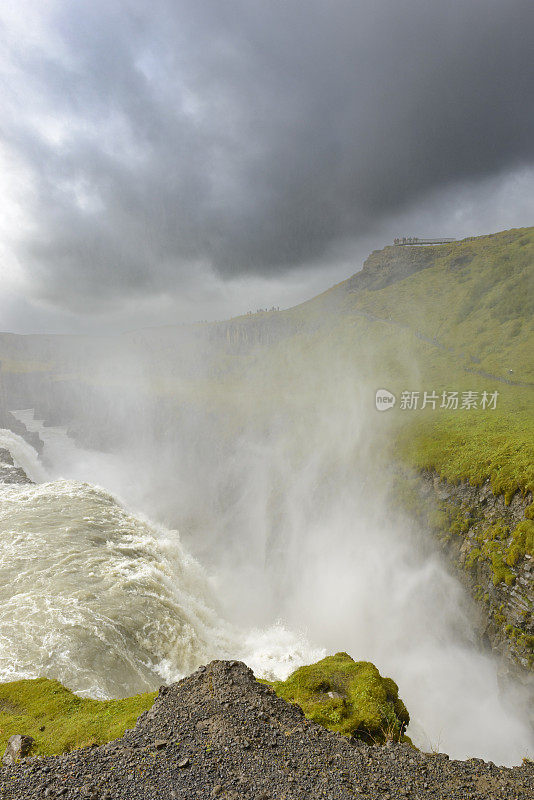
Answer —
499 617
500 570
439 519
461 525
497 545
522 542
503 548
60 721
493 547
472 558
523 641
349 697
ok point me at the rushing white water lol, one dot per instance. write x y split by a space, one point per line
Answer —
114 603
105 601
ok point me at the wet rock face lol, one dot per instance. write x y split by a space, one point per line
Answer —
477 530
18 746
7 420
9 473
221 734
5 457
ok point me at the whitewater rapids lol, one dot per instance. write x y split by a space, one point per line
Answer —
105 601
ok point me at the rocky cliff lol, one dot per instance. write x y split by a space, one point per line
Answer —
8 400
9 471
488 540
392 264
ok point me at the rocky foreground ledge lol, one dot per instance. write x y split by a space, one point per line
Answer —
221 734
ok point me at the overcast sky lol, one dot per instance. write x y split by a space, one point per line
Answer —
193 159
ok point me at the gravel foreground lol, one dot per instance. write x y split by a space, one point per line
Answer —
221 734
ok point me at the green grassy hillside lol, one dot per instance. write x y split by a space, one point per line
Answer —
455 317
476 299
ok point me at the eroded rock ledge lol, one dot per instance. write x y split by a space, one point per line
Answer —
221 734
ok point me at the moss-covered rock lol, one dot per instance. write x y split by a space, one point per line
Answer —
349 697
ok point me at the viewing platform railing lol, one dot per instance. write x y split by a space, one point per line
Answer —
412 240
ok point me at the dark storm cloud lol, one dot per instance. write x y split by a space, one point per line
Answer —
250 137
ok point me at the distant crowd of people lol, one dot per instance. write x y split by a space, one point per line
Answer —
405 240
416 240
259 310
